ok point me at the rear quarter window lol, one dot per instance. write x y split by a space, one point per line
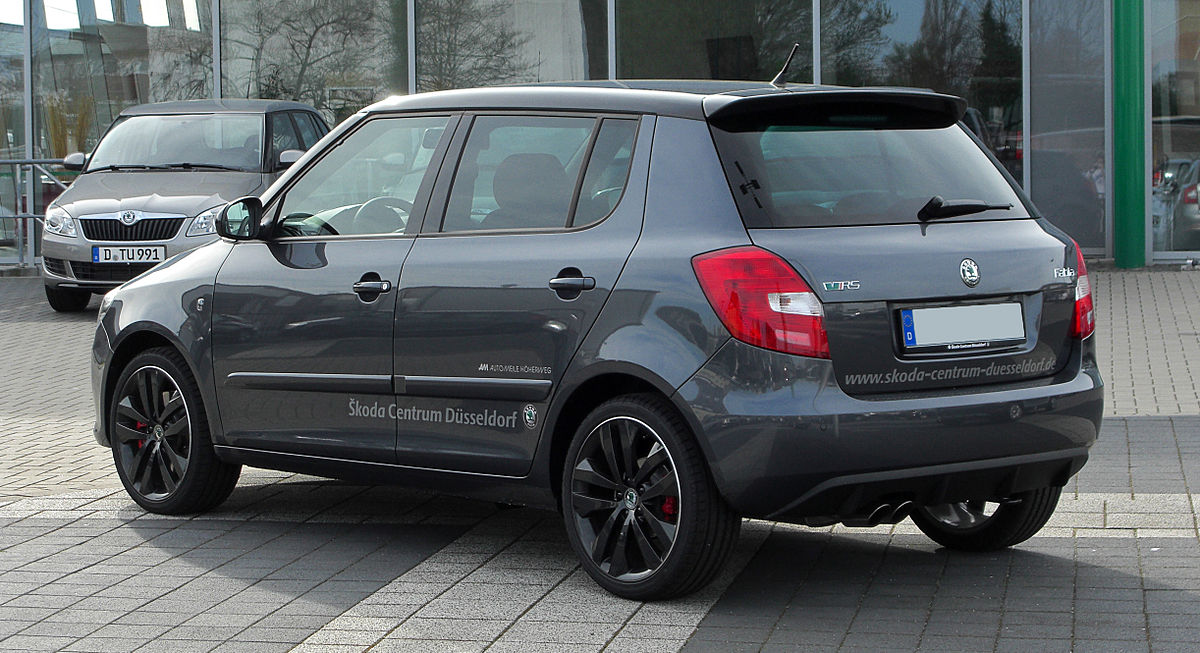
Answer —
786 175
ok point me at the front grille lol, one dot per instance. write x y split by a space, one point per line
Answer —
55 266
145 229
108 271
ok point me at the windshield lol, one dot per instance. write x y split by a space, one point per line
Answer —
222 140
816 176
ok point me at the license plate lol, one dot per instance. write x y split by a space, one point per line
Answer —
128 254
962 328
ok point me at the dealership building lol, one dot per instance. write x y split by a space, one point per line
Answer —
1092 105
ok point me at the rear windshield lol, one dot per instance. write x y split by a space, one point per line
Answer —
222 139
817 176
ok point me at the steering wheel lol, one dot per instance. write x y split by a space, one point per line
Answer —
364 213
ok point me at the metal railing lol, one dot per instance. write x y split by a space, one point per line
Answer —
27 173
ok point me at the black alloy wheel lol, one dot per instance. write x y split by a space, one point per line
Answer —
625 498
153 432
160 439
640 507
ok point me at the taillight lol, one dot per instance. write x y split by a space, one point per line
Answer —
1189 194
1084 323
763 301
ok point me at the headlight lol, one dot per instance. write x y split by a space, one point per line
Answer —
58 222
105 304
205 223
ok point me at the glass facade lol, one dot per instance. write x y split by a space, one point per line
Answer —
1036 73
967 48
711 39
1175 125
1068 141
12 125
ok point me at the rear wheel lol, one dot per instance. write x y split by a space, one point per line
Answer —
68 300
987 526
640 507
160 437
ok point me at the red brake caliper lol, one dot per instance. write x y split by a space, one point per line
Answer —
139 426
670 509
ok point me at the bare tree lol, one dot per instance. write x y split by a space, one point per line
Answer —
852 38
463 43
778 24
944 55
297 49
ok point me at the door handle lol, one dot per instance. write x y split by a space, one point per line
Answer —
372 287
572 284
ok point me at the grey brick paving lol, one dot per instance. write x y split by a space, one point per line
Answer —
298 563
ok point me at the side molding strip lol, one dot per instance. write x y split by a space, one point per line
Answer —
375 384
473 387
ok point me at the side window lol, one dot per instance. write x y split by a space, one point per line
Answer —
607 171
308 129
283 137
365 185
517 172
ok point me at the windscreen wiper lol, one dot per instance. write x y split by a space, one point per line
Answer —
937 208
211 166
126 166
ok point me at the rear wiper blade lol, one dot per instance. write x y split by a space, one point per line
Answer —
937 208
211 166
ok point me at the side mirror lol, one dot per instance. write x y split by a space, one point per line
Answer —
288 157
431 137
240 219
74 161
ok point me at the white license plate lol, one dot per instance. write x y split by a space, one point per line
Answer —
128 254
953 328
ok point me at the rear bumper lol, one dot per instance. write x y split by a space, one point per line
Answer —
785 443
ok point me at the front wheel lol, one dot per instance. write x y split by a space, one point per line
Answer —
160 438
641 510
987 526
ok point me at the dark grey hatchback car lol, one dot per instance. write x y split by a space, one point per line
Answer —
657 307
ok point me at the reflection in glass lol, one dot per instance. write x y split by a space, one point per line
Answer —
93 59
465 43
336 56
12 122
970 48
1066 108
1175 126
710 39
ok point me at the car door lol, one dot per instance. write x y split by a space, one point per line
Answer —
535 224
302 320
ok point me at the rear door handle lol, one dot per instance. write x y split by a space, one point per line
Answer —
572 284
372 287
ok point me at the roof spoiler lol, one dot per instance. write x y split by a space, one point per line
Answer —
820 107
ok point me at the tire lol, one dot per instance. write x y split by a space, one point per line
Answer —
160 439
970 526
654 527
66 300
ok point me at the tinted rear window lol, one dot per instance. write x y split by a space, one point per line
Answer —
786 175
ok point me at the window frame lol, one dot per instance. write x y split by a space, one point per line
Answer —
421 202
439 202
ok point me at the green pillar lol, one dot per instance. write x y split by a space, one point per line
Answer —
1128 178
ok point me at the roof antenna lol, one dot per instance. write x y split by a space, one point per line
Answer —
780 80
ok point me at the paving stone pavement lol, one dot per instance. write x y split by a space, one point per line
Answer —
297 563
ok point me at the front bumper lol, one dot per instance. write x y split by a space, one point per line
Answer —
785 443
67 262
